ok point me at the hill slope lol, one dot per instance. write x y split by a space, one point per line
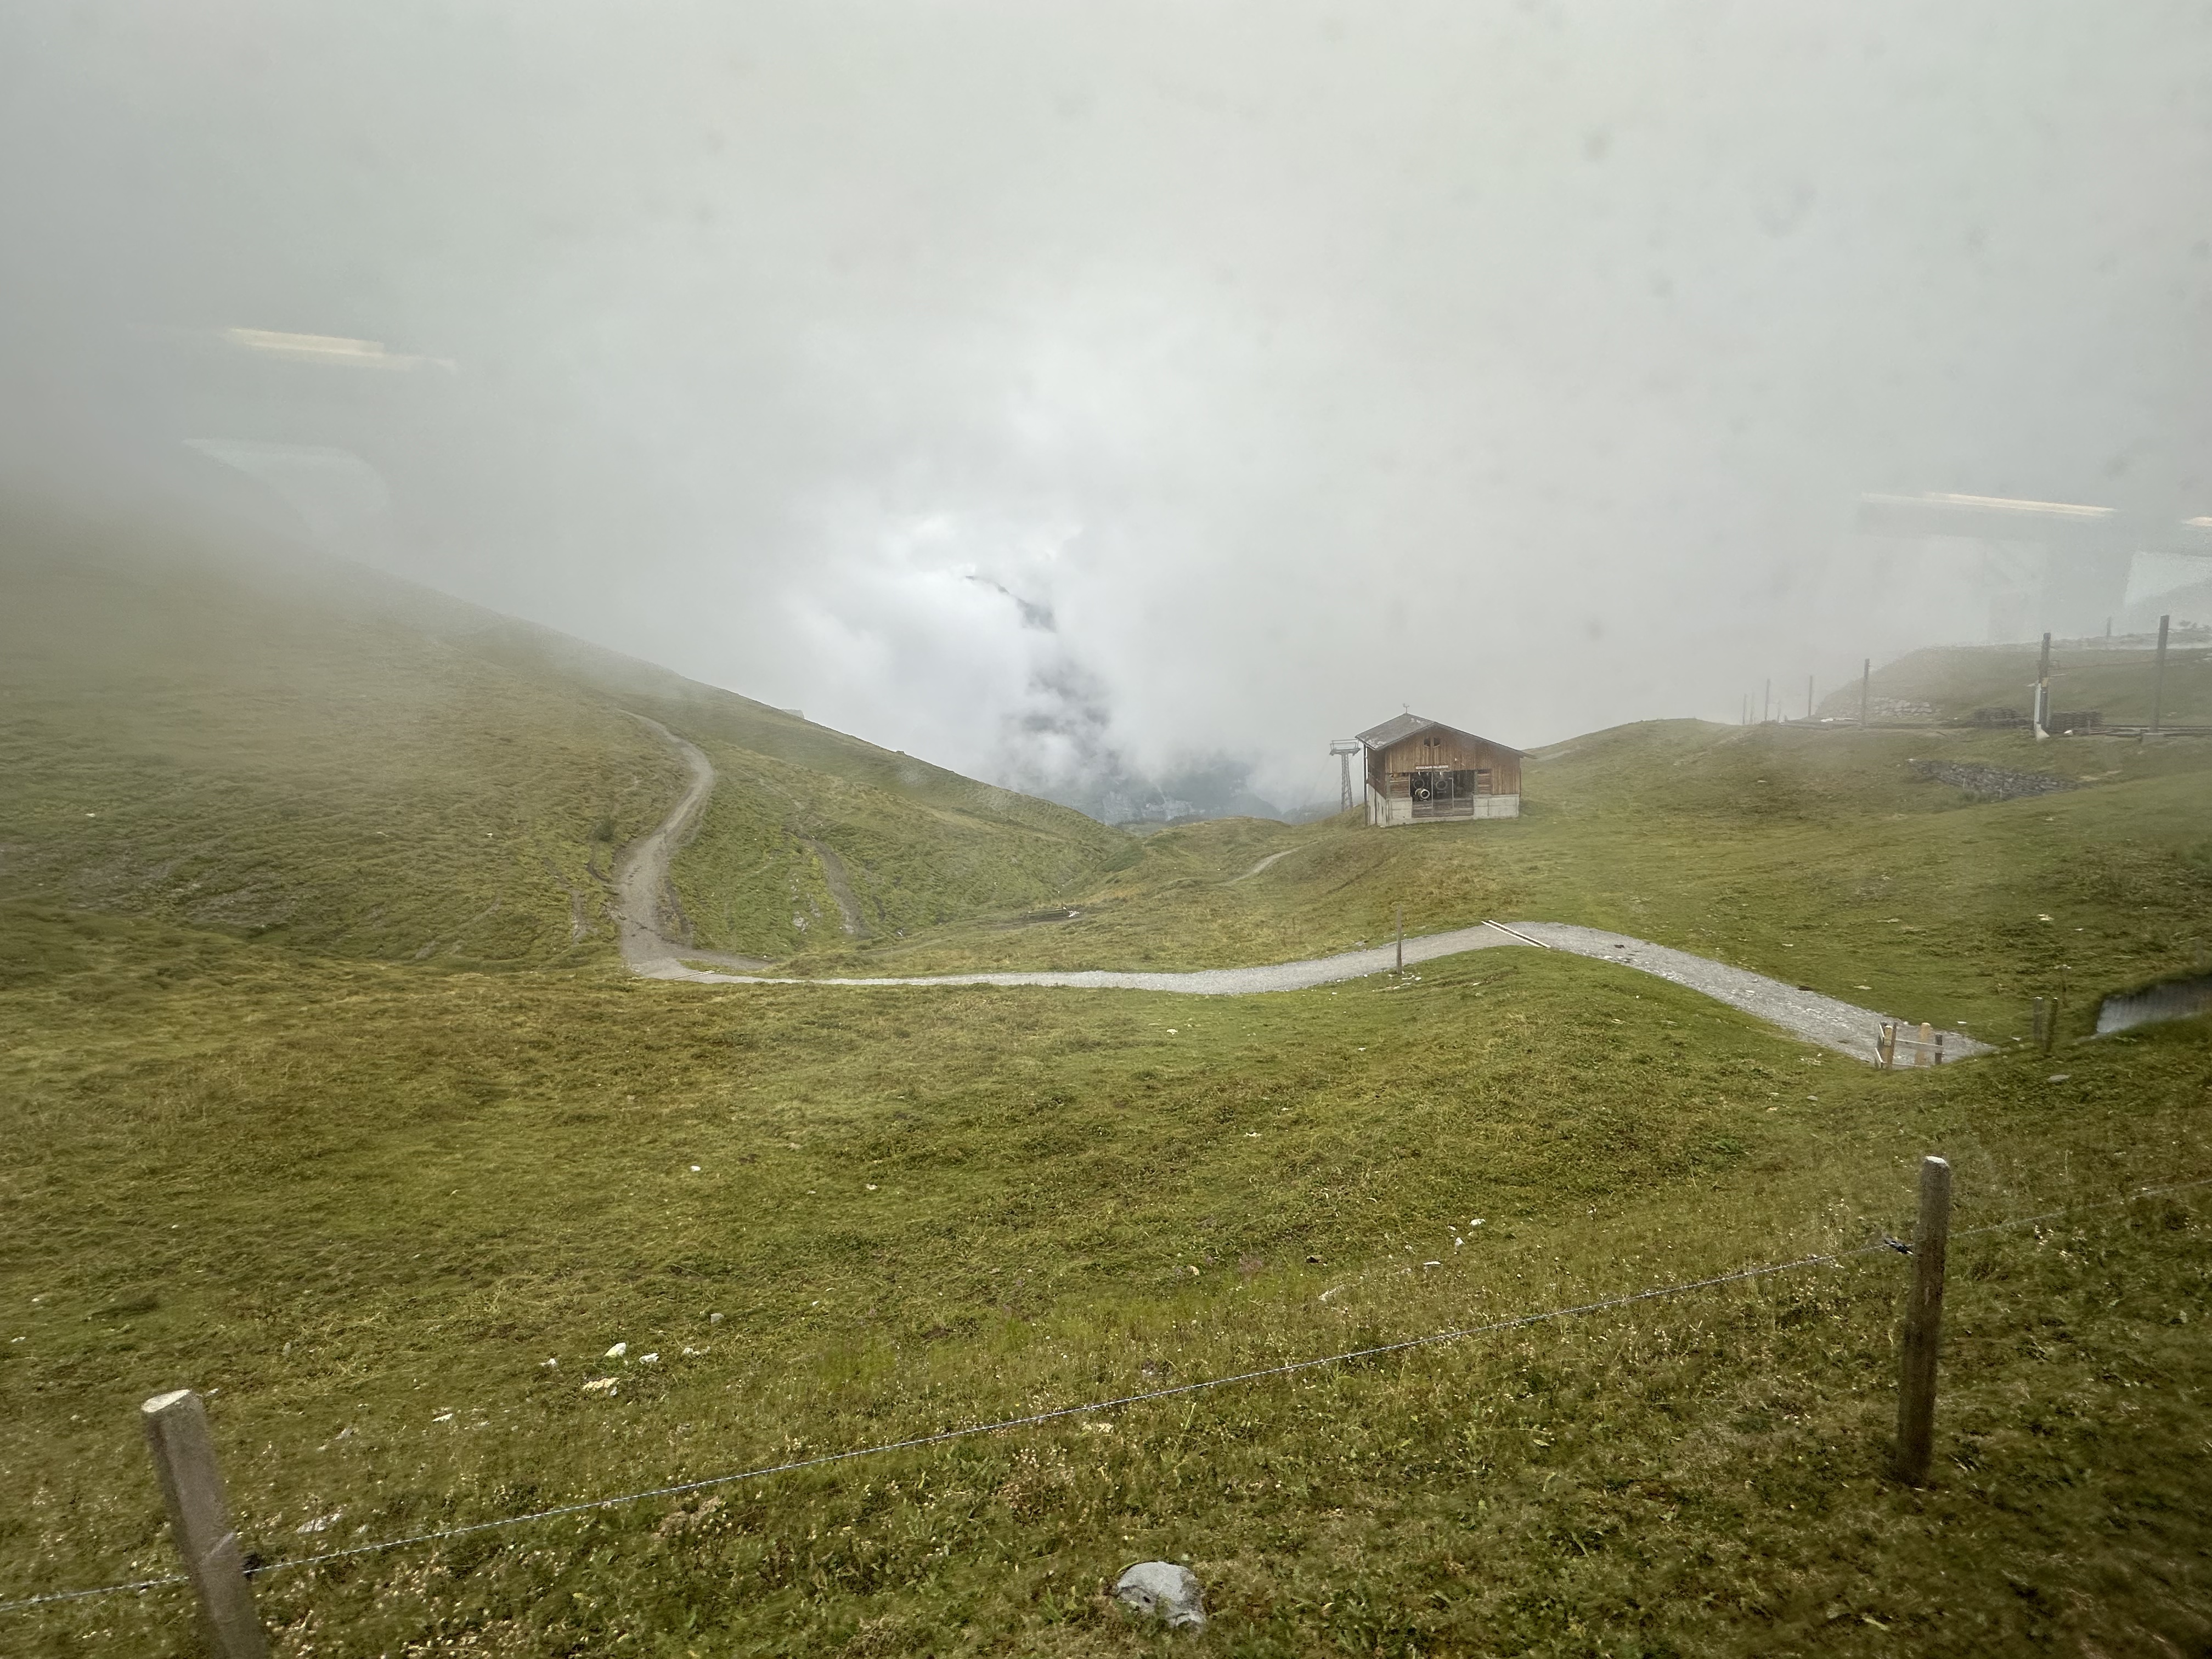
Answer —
322 757
2115 680
394 1215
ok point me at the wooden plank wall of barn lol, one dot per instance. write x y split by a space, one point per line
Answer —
1455 750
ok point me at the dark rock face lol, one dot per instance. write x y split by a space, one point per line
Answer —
1991 782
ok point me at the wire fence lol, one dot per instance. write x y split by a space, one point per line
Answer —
1517 1321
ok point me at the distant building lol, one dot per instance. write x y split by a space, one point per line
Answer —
1419 770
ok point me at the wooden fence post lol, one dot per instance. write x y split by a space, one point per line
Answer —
1402 938
1927 1041
1884 1046
191 1486
1923 1325
2158 677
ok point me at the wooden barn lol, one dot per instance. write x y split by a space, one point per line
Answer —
1419 770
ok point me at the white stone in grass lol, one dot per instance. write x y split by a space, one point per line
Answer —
618 1350
603 1388
649 1359
1163 1590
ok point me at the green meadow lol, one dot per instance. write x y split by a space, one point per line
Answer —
323 1092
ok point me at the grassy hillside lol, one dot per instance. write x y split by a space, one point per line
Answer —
920 1209
1956 680
263 1142
1821 857
321 757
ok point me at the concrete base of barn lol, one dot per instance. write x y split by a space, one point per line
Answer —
1382 811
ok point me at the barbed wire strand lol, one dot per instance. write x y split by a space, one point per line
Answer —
1518 1321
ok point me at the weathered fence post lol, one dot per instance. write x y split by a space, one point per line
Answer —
191 1486
1923 1324
2158 677
1402 938
1884 1046
1920 1052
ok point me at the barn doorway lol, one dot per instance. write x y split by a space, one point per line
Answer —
1440 792
1443 791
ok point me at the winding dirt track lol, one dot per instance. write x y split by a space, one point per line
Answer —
643 913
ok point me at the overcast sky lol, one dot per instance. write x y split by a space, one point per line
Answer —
1022 383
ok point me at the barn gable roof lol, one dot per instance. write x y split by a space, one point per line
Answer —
1405 726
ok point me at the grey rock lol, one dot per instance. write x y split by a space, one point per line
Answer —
1161 1589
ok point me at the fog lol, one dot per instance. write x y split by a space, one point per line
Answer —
1074 394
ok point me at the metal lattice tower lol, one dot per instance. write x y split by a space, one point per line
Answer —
1344 748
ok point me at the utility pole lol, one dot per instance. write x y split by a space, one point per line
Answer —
2158 675
1866 687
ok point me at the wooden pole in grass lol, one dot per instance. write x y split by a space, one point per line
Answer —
200 1515
1402 938
2158 675
1923 1325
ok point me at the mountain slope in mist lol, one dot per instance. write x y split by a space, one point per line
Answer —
325 757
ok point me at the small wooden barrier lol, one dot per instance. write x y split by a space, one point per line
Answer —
1927 1048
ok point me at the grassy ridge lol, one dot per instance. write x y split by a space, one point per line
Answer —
2116 682
186 742
328 758
918 1209
752 880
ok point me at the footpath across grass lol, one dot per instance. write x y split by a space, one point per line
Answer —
364 1205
